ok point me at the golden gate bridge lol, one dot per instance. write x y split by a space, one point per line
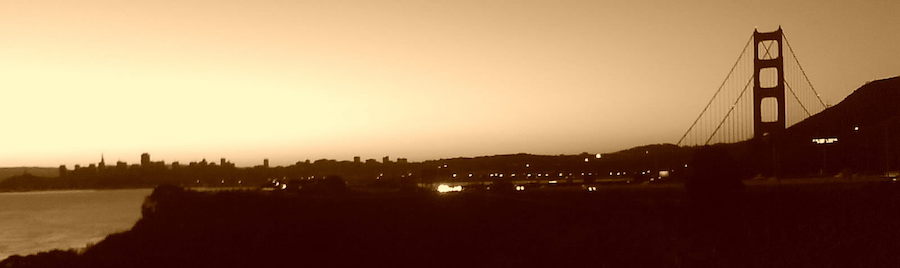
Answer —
762 93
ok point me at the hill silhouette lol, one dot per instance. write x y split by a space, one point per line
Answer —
871 105
8 172
865 126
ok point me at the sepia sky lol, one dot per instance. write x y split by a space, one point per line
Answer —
296 80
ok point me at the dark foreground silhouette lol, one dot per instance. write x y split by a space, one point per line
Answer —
827 225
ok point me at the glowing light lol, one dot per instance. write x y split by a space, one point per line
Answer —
520 188
454 175
552 182
501 175
824 140
284 186
855 128
587 159
591 188
527 165
443 188
223 182
663 173
685 165
470 175
598 156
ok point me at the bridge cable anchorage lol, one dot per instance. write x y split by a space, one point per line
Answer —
746 86
797 98
743 50
791 49
728 114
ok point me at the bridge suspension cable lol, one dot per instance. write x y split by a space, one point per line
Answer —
738 99
721 86
729 110
791 49
729 116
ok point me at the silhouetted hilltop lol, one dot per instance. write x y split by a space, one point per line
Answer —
869 106
8 172
861 134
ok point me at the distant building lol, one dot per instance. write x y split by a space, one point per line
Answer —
371 161
386 159
121 165
176 165
402 161
357 159
266 163
102 164
63 171
145 160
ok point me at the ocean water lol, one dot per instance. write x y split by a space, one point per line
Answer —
32 222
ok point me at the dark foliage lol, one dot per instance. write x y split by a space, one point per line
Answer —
827 225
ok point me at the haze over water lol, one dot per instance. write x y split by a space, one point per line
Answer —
39 221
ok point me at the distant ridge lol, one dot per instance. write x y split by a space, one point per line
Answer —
7 172
873 104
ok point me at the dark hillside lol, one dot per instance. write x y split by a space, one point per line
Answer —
866 125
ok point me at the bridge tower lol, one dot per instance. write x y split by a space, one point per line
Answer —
768 65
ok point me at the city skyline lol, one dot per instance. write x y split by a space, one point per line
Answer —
145 160
416 79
